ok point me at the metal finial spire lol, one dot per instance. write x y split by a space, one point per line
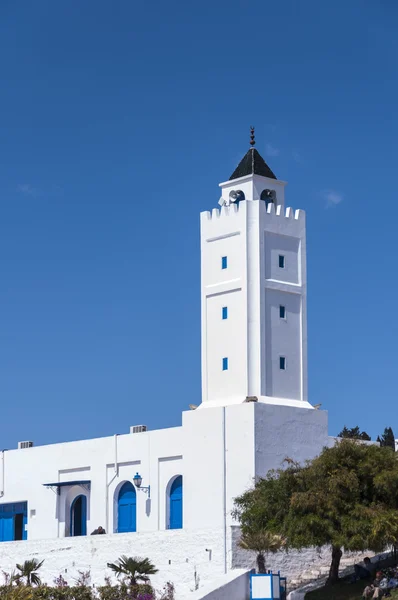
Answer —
252 140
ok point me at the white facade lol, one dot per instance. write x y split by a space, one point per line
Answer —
253 415
254 268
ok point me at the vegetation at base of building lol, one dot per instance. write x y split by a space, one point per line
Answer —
133 569
25 584
142 591
262 542
44 592
347 498
27 572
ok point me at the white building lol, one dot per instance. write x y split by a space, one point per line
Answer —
254 413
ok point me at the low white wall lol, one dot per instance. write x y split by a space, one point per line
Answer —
178 554
290 564
293 564
233 586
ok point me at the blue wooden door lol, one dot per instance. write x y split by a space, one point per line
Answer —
127 508
176 504
78 516
7 527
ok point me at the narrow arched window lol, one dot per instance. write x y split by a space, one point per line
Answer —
236 196
269 196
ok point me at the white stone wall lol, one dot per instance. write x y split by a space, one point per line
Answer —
252 287
177 554
284 432
233 586
219 452
107 463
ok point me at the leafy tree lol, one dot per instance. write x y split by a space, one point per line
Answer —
133 569
354 433
347 498
28 572
262 542
387 439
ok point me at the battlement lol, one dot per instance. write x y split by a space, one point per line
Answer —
288 213
216 213
234 210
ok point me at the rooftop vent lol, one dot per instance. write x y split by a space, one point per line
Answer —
137 428
22 445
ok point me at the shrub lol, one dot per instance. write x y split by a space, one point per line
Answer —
44 592
141 591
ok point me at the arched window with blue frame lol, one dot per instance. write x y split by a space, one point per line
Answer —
127 508
78 516
175 504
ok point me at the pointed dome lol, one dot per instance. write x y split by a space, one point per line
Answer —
252 164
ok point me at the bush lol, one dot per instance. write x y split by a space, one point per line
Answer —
44 592
142 591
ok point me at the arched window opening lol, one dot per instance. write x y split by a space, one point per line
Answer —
269 196
127 508
236 196
175 506
78 516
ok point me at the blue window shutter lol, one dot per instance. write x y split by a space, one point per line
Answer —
282 363
224 262
281 261
225 312
176 503
225 364
282 312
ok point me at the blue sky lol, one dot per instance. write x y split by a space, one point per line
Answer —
118 121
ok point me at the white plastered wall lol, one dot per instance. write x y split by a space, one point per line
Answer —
157 455
252 236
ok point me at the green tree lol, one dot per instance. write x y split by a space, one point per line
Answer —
387 439
133 569
28 572
262 542
347 498
354 433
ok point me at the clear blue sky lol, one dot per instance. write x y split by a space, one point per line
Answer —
118 121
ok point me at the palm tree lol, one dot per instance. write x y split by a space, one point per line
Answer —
28 572
133 569
261 542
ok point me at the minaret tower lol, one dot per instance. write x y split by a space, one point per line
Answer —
253 270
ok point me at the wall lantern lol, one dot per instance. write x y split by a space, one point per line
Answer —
137 479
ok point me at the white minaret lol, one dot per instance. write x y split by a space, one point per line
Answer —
253 269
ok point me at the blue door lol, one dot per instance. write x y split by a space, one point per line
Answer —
7 527
176 503
127 508
13 519
78 516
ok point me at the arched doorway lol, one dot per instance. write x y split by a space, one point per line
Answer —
176 503
127 508
78 516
